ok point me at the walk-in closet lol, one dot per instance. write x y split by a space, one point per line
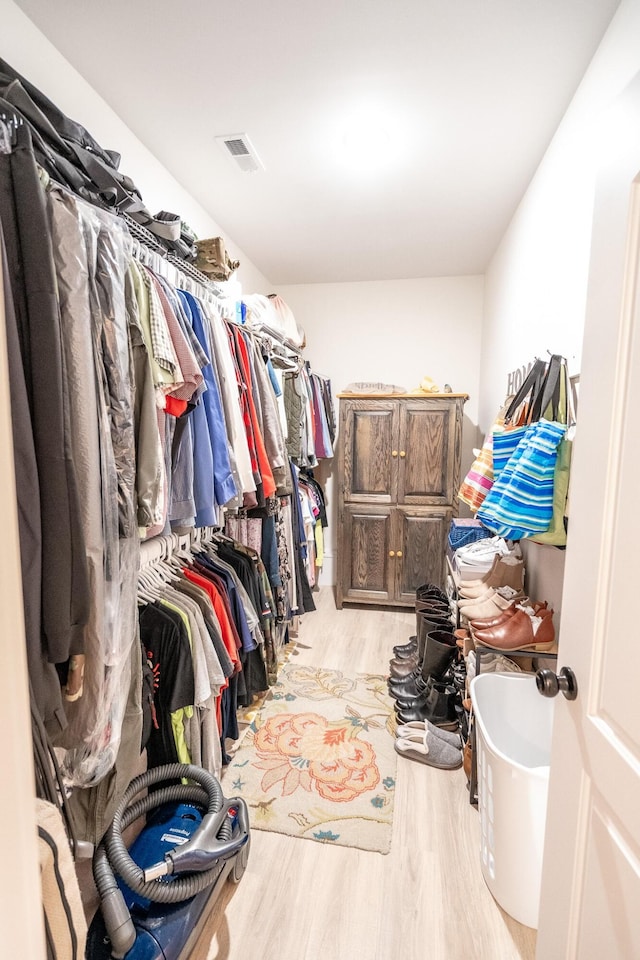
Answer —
318 368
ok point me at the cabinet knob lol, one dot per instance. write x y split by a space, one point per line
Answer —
402 453
392 553
399 553
394 453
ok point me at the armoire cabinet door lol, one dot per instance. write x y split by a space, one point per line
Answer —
421 537
369 448
427 442
366 570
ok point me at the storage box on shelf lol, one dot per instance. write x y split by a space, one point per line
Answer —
466 530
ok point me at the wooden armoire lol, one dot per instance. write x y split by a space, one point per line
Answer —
399 474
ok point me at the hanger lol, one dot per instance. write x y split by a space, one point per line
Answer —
171 569
163 570
146 588
6 137
183 547
220 537
151 576
12 122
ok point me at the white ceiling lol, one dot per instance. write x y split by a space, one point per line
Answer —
469 93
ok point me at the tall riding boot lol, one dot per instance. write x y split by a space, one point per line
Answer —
428 599
435 611
427 590
433 606
440 650
403 666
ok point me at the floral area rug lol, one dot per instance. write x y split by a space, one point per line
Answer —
318 759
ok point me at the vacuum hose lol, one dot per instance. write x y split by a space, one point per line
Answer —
112 856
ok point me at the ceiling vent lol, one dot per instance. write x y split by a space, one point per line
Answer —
241 150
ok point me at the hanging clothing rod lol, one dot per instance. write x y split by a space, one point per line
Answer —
152 243
196 274
150 240
142 234
161 548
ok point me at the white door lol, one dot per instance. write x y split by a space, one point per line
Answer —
590 903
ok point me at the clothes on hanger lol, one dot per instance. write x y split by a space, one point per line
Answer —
60 611
310 418
141 406
314 515
81 534
205 628
300 549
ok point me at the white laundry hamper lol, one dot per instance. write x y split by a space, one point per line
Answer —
513 747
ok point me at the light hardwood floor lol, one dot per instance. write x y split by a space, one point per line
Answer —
425 900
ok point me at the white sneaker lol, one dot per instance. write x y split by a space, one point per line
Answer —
482 549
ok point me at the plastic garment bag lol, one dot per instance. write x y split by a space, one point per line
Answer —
92 251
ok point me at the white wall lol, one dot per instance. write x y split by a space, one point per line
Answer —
31 54
394 331
536 284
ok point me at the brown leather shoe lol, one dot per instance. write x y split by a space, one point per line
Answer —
467 759
486 623
517 633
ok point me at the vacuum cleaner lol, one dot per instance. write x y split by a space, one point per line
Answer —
155 897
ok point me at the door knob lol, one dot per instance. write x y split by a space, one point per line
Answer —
394 453
392 553
399 553
402 453
550 684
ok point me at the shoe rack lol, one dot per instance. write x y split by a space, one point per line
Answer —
480 651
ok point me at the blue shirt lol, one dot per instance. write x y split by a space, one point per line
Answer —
224 484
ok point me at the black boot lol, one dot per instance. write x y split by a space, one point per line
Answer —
439 651
433 606
400 669
440 611
429 590
438 704
402 666
404 650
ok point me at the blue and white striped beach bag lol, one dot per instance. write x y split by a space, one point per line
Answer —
520 503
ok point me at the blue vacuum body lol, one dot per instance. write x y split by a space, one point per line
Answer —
168 931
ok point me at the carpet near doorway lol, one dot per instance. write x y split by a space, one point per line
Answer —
318 761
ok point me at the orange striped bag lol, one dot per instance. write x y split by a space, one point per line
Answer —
479 480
